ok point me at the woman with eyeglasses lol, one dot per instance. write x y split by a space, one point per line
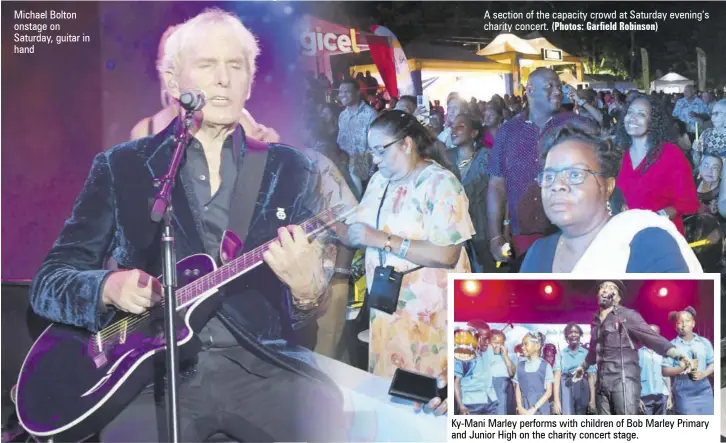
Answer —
413 220
655 174
708 183
713 140
577 182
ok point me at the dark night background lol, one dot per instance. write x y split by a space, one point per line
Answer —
672 48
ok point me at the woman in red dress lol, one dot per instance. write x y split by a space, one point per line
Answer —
655 174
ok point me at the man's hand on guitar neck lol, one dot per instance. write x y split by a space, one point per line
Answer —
297 263
131 291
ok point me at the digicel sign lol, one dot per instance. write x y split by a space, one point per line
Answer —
312 42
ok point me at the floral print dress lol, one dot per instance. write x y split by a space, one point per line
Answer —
433 208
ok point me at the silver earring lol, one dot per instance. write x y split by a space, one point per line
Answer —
609 208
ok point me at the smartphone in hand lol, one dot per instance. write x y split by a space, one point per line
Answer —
416 387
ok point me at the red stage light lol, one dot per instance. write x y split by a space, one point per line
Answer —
471 287
548 290
663 292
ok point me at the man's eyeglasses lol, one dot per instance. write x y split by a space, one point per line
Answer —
713 167
573 176
380 150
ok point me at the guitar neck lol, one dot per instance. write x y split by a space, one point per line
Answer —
228 272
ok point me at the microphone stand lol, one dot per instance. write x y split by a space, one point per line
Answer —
163 211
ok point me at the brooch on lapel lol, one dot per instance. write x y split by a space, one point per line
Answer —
281 214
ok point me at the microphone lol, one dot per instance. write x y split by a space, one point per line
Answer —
193 100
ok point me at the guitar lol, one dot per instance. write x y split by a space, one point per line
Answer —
73 382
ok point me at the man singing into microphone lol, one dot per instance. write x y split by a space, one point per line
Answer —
615 335
235 386
157 122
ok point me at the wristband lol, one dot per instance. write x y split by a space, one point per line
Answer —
405 244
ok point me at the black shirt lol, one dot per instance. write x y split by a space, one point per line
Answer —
214 208
215 213
608 339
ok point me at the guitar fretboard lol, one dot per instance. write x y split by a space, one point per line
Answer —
242 264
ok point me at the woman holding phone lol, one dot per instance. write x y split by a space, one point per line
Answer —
413 221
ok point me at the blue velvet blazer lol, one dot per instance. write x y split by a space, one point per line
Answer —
111 218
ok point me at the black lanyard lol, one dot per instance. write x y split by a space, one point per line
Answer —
378 219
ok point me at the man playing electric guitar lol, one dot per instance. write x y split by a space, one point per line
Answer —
235 385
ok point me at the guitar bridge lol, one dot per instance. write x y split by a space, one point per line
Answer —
95 350
100 359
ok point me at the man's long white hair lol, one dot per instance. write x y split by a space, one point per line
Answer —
165 98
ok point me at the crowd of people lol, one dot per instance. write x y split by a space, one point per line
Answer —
642 374
667 155
558 179
554 180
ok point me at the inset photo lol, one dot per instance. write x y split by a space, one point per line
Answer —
584 347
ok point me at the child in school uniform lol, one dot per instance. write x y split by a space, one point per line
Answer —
474 392
520 354
573 398
502 369
655 389
533 379
692 392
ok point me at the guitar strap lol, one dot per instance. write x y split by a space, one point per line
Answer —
244 201
247 185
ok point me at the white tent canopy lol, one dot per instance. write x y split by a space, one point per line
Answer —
671 83
673 77
604 82
511 43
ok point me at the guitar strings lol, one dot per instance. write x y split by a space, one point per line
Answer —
130 326
119 326
197 284
115 330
